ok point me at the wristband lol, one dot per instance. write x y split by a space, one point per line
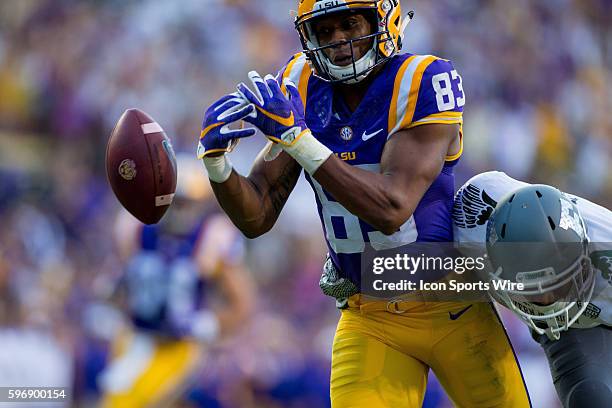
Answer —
308 151
219 168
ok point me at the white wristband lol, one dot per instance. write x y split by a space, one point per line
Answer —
205 326
308 152
219 168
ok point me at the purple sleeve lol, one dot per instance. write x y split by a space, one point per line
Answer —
440 91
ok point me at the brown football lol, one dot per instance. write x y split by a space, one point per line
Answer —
141 166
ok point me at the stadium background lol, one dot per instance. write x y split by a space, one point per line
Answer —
537 78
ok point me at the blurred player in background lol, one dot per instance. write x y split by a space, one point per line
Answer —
568 308
165 289
378 135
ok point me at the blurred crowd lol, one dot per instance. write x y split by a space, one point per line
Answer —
537 78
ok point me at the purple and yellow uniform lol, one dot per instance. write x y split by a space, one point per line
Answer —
165 282
396 100
382 359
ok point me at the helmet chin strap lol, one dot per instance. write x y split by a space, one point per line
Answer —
363 64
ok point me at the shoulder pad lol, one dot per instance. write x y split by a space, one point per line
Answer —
427 90
298 70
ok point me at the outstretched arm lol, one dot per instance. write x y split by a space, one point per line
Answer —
254 203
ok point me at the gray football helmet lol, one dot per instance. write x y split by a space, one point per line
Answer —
537 237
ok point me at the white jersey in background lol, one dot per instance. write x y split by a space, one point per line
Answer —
475 202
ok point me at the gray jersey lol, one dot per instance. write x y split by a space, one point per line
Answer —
475 202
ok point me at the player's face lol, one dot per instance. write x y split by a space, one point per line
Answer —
342 27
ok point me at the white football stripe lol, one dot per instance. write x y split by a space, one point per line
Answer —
163 200
152 127
404 91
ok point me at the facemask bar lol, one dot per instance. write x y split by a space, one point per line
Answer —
317 56
551 315
542 286
319 60
550 320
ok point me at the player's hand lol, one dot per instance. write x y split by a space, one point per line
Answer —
279 117
216 137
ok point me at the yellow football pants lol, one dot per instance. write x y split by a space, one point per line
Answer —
150 372
381 359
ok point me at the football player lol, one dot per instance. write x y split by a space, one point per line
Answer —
170 270
568 281
377 134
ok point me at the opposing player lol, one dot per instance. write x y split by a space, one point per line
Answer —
567 274
173 271
378 135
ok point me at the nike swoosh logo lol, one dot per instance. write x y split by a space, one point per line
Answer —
367 137
290 121
458 315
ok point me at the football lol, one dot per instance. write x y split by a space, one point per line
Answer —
141 166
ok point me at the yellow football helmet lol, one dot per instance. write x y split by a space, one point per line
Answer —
388 34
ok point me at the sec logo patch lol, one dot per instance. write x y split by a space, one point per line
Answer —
346 133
